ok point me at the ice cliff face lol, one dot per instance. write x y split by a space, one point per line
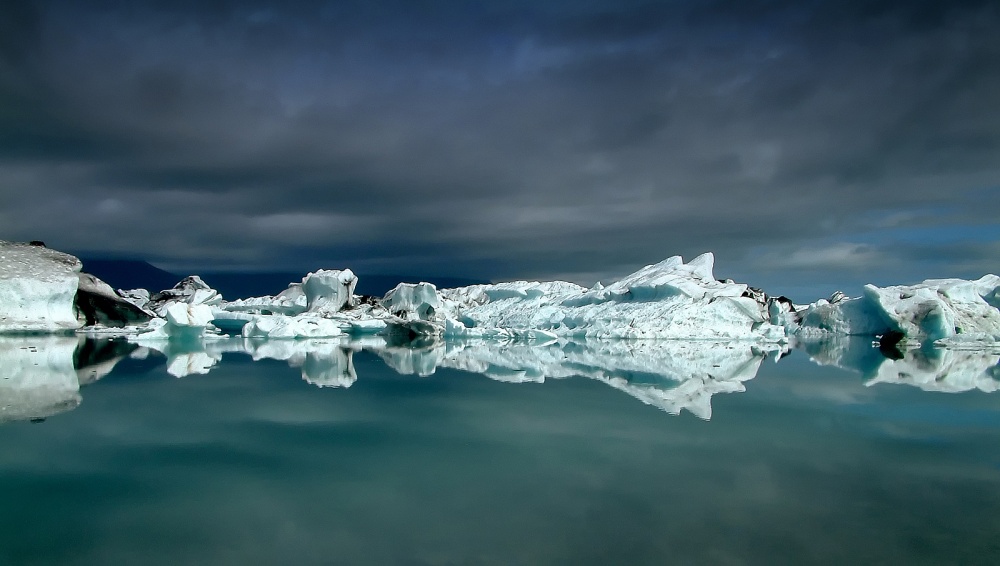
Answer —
37 289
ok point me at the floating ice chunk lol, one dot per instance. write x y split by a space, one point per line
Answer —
949 311
180 322
328 290
189 315
190 290
37 289
290 302
287 327
851 317
942 309
413 301
37 377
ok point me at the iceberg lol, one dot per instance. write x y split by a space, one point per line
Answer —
328 290
288 327
42 290
191 290
670 299
101 305
37 289
180 322
948 312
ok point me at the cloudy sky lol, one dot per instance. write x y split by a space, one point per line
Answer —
811 145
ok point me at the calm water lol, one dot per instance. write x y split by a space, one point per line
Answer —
558 454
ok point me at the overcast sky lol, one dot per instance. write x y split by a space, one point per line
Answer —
811 145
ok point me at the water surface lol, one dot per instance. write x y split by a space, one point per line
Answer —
560 453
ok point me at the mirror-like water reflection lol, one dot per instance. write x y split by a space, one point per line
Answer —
330 452
43 373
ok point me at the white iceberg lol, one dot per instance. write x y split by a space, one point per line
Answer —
290 302
328 290
191 290
181 322
37 289
670 299
291 327
943 311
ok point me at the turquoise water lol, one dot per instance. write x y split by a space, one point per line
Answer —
250 463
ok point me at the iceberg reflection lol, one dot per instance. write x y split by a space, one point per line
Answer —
38 377
942 370
668 374
41 376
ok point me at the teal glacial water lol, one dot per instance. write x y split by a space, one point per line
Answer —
329 453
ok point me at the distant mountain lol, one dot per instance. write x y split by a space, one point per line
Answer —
130 274
242 285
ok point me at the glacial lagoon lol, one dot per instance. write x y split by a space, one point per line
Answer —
331 452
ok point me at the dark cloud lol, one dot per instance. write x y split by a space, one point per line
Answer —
501 140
